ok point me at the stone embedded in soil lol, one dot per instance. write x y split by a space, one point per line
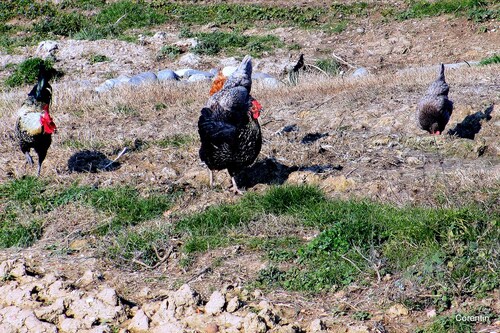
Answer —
360 72
189 59
212 328
46 49
288 329
108 296
230 320
50 304
68 325
317 325
143 78
215 303
269 317
254 324
233 304
415 161
167 328
167 75
397 310
198 78
51 312
139 323
358 329
78 244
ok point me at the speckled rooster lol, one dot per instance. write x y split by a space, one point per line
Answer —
434 109
228 125
34 126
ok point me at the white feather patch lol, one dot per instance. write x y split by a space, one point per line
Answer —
30 122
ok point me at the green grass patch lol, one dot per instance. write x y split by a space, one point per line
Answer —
495 59
27 193
476 10
329 66
83 4
124 110
277 249
448 324
20 199
27 72
176 140
61 24
95 58
15 234
168 51
27 199
138 243
124 205
24 8
247 15
235 43
446 245
127 206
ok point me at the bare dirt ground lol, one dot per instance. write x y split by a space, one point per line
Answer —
371 134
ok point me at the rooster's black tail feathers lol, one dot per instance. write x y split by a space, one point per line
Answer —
42 90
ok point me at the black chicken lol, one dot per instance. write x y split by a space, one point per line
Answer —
34 126
229 130
434 110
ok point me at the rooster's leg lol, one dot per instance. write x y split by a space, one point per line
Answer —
211 176
41 157
29 159
39 169
235 188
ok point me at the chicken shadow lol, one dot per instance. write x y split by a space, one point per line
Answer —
91 161
271 172
471 125
267 171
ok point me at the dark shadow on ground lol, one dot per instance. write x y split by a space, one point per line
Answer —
91 161
471 125
271 172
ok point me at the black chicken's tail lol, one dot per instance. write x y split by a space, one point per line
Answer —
441 72
42 90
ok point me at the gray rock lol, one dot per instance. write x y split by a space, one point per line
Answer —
183 72
139 323
260 76
167 75
189 59
191 72
232 61
317 326
199 77
160 35
216 303
185 296
189 42
108 296
106 86
47 48
254 324
233 305
230 320
142 78
228 70
270 82
359 72
112 83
